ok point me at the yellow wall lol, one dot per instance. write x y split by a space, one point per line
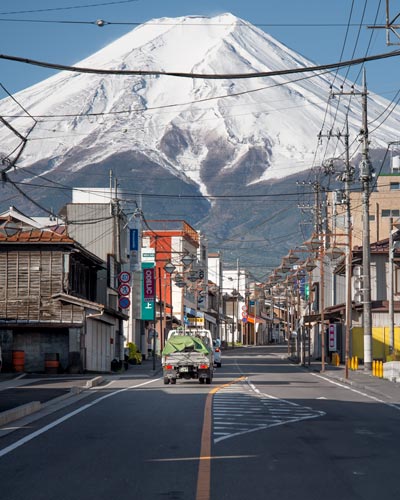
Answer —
380 342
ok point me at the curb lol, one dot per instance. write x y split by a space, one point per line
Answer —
359 385
19 412
27 409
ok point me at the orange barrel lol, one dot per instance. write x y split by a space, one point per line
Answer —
18 361
51 362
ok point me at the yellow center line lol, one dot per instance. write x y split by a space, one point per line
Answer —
204 471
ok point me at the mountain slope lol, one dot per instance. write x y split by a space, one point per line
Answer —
183 136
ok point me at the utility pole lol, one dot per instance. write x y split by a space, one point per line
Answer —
348 178
116 209
391 289
365 178
237 299
320 231
391 26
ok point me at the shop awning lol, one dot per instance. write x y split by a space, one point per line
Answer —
255 319
209 318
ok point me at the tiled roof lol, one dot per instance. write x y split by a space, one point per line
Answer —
59 235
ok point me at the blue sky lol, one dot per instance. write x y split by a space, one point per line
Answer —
314 28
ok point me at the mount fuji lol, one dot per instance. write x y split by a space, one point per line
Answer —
184 146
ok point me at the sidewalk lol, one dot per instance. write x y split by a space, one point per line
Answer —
362 380
24 394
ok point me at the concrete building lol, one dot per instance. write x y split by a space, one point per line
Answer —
384 205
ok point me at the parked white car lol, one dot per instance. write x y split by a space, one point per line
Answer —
217 353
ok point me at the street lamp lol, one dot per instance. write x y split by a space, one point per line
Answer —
169 268
316 244
333 252
309 265
183 277
235 294
187 260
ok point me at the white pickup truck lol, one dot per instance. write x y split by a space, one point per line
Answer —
188 354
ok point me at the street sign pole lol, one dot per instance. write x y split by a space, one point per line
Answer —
154 335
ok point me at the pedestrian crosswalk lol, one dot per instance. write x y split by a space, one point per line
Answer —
239 409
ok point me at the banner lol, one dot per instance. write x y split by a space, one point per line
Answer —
148 291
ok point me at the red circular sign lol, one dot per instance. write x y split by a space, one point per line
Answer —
124 289
124 277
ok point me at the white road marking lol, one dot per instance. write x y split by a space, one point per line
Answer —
251 410
343 386
59 421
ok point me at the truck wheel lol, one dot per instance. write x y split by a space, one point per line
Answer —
173 380
208 380
166 380
201 380
219 365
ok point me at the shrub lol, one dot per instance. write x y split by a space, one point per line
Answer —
134 355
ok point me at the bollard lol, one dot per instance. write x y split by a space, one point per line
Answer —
354 363
373 368
380 369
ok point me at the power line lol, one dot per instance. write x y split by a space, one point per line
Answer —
101 23
72 7
179 196
29 198
202 76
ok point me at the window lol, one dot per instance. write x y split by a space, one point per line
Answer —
390 213
394 186
340 220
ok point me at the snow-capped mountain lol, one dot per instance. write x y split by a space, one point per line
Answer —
166 134
179 122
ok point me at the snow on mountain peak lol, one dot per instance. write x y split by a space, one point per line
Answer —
182 123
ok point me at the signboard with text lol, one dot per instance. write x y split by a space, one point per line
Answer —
133 239
147 291
332 337
148 255
148 283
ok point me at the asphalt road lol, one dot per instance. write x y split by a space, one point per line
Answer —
264 429
37 390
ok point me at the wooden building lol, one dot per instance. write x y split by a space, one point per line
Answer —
49 308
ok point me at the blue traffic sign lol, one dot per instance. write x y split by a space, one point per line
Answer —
124 302
124 277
